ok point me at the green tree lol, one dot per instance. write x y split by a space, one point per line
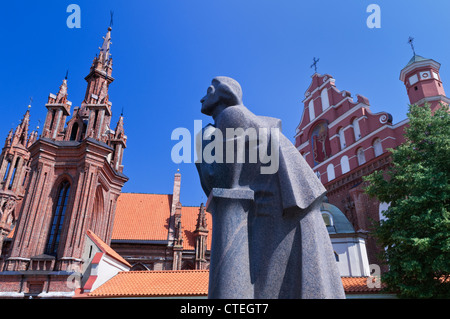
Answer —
416 231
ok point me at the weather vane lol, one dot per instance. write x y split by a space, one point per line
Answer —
111 21
410 41
315 64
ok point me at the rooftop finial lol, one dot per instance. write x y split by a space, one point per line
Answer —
315 64
67 74
111 21
31 101
410 41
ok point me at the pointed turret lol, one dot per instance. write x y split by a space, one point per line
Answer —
96 100
58 109
201 234
118 142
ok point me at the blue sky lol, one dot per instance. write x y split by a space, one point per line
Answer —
166 53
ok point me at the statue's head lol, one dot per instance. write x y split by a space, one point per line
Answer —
222 92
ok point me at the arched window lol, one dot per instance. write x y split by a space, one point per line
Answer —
74 133
356 129
361 156
328 220
325 100
312 114
8 166
330 172
13 175
342 138
59 213
345 165
377 147
98 210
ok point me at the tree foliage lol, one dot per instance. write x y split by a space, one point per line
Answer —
416 228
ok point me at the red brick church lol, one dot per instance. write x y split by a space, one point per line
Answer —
343 140
67 229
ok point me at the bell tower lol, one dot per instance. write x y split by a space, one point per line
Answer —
423 82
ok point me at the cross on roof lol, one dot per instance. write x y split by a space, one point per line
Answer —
315 64
410 41
111 21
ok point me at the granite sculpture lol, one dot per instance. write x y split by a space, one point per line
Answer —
269 239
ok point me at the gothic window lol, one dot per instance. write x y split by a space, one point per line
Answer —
13 174
97 211
311 110
58 219
361 156
356 129
53 119
73 134
342 138
330 172
320 143
377 147
325 100
345 165
7 170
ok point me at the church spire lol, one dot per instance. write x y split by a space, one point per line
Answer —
96 104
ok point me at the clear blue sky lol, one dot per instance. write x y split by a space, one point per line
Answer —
166 52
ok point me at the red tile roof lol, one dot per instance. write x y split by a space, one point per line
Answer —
189 217
357 285
184 283
155 284
142 217
106 249
146 217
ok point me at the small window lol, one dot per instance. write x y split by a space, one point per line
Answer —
7 170
356 129
330 172
377 147
311 110
328 220
416 88
345 165
361 156
342 138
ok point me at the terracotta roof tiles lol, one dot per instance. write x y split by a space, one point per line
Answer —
155 284
185 283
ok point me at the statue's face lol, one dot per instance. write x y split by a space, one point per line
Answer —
210 100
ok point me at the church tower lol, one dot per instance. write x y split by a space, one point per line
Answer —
14 169
75 180
423 82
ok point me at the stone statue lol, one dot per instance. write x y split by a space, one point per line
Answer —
269 239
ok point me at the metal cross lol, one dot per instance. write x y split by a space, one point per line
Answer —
67 74
410 41
315 64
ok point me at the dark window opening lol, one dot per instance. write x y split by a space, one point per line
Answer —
58 219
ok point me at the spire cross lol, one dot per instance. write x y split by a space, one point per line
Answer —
410 41
111 21
315 64
31 101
